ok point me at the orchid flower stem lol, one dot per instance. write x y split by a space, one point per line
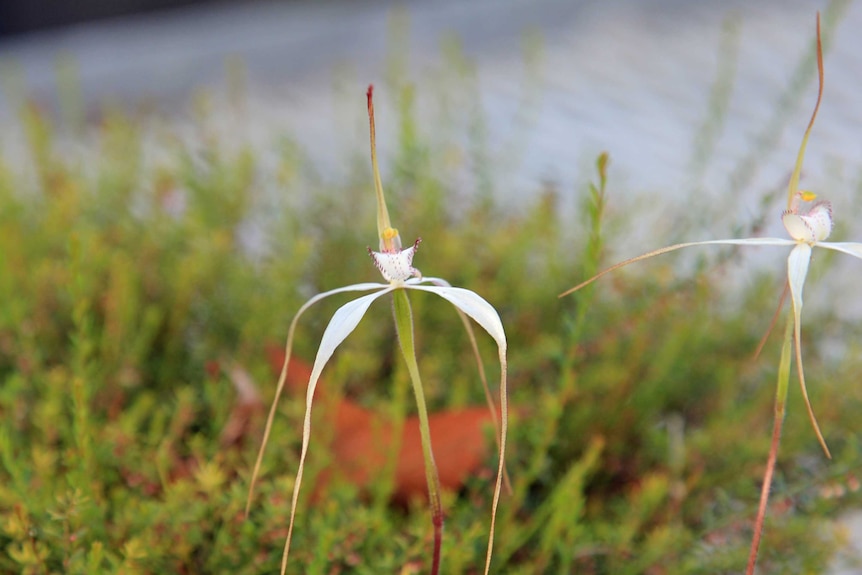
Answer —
404 327
780 403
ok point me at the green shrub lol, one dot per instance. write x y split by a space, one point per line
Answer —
639 429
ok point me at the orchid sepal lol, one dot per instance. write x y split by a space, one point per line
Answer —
672 248
808 228
797 270
343 322
282 378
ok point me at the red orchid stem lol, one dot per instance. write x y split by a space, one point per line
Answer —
764 494
780 402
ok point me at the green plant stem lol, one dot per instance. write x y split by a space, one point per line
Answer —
780 403
404 327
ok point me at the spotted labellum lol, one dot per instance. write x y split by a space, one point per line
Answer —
396 265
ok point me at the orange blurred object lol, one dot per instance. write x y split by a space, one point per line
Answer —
462 440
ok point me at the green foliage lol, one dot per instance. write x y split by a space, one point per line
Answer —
639 428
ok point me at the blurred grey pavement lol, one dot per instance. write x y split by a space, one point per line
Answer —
632 77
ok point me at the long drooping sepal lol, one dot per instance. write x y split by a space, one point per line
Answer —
486 316
664 250
342 324
777 424
404 327
474 346
850 248
793 187
797 270
474 306
288 349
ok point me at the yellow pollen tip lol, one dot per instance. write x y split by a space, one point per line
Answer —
807 196
390 241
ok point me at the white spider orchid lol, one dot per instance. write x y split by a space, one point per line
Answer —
809 225
396 266
808 228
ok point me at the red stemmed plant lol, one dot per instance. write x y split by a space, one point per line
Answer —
809 224
396 265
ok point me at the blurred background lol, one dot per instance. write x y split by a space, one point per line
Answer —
192 119
557 82
701 105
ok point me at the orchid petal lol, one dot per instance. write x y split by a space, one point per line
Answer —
797 227
342 324
797 270
468 327
428 280
752 242
288 348
365 286
664 250
474 306
850 248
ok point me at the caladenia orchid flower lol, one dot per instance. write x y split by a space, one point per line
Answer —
396 266
809 224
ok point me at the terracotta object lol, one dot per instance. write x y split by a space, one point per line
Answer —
361 440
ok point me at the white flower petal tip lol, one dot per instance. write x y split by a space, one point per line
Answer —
397 266
812 226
